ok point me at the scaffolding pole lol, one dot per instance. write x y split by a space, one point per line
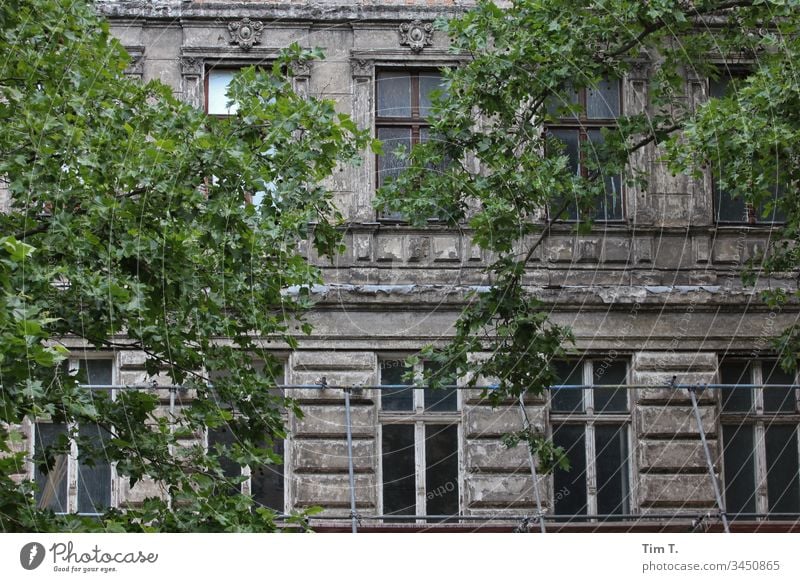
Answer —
709 461
350 469
526 425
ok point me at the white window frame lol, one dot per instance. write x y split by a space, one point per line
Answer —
589 419
246 485
419 418
758 418
73 364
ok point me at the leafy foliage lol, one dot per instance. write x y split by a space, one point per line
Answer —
524 63
128 228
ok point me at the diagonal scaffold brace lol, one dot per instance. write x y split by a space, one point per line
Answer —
692 389
526 425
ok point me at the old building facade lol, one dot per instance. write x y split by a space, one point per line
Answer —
652 293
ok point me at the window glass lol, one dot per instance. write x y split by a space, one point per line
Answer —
392 162
218 82
428 83
610 373
777 399
739 458
443 399
783 473
94 478
610 206
735 399
611 451
399 470
267 482
392 372
602 101
394 94
570 486
727 207
568 373
441 469
50 474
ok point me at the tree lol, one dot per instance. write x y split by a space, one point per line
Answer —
129 228
496 174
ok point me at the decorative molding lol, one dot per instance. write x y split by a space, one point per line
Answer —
639 71
191 66
245 33
136 66
416 35
301 68
362 67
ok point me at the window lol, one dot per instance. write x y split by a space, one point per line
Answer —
599 107
217 100
593 426
402 105
759 438
58 467
265 483
219 104
419 445
727 208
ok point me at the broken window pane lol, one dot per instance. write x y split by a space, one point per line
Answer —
739 458
392 372
570 486
441 469
399 470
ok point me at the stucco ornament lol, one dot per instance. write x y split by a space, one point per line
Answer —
416 34
245 33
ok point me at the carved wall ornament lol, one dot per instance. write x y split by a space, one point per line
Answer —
362 67
301 68
191 66
416 34
245 33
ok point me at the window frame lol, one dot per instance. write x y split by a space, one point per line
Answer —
416 123
758 419
72 458
589 419
420 418
751 215
583 124
245 487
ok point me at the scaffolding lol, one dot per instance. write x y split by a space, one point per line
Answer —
540 516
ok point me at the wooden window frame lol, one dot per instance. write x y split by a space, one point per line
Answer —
72 459
416 123
759 420
420 418
583 124
589 419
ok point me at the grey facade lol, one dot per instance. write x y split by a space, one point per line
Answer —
657 292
